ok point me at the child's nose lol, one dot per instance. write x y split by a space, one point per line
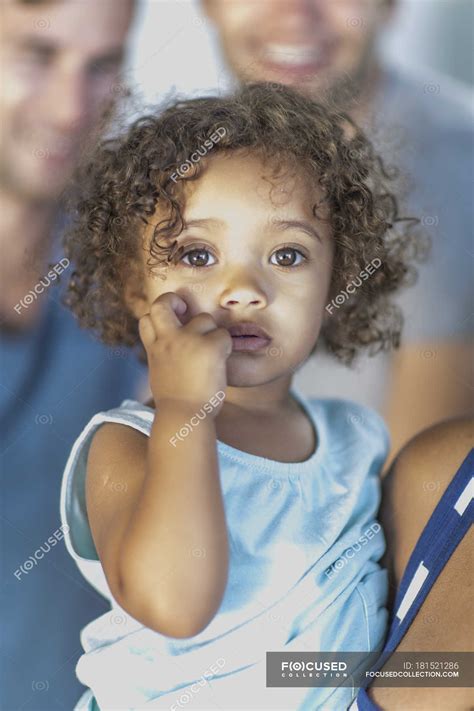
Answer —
243 295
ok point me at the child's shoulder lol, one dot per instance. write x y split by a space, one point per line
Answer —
110 442
114 440
348 416
131 416
117 438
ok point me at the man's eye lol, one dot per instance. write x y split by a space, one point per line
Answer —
35 57
287 257
104 66
197 258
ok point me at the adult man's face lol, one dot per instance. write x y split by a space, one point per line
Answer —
59 60
317 46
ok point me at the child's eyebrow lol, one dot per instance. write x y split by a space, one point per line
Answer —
204 222
295 224
302 225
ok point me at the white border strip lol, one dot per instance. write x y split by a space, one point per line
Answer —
465 499
413 589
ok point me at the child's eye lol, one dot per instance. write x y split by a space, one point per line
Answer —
287 257
197 257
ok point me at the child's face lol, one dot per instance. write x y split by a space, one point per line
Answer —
244 226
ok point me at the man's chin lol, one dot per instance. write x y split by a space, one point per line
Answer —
44 194
328 84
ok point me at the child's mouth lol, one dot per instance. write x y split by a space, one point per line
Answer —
249 343
248 337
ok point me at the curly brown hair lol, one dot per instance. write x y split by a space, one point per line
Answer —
143 168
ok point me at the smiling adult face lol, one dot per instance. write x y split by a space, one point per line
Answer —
314 45
252 252
59 63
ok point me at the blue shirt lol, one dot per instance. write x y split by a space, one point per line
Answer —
53 378
304 547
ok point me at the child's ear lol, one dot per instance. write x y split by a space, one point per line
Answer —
326 318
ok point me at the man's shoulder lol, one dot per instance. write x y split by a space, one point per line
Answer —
78 351
419 476
440 448
440 102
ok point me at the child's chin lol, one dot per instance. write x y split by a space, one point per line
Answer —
244 372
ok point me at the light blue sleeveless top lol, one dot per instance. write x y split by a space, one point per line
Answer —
304 547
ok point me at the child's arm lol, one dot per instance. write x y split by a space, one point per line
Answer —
155 508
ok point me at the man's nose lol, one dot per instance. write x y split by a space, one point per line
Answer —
300 7
67 102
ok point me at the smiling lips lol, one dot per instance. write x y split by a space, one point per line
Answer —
247 336
298 59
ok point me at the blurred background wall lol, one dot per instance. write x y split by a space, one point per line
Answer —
437 34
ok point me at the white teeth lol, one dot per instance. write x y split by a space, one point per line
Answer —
291 54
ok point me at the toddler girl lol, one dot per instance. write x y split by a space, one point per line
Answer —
230 516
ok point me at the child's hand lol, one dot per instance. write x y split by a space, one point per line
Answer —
187 364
